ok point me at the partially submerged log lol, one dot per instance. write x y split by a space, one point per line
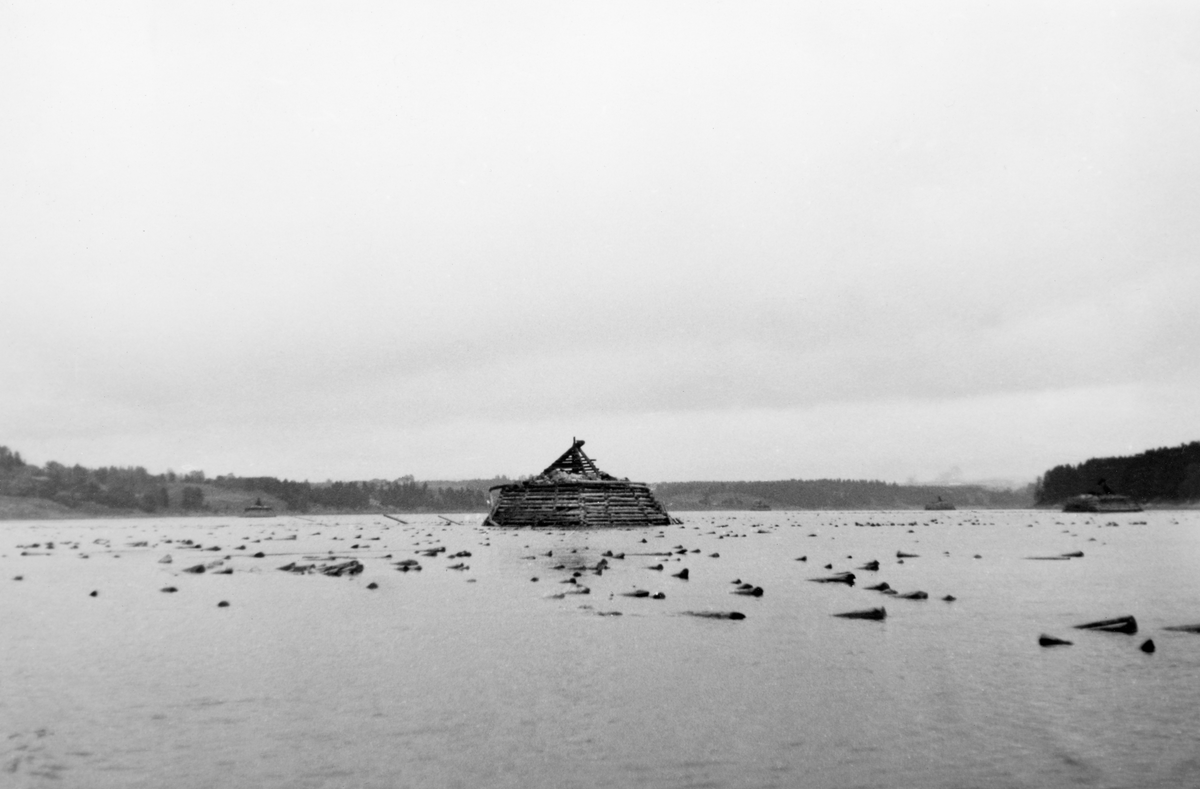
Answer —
1184 628
1050 641
876 614
839 578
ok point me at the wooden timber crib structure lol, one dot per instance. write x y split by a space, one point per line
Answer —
573 493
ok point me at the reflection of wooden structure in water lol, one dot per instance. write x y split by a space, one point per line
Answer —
573 493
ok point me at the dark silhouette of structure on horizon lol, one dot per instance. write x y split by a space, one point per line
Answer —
572 493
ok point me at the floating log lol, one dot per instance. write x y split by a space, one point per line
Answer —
352 567
716 614
1122 624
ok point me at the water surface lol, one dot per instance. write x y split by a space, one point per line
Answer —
484 677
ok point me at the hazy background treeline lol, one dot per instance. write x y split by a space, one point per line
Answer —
98 489
1168 475
56 489
832 494
405 494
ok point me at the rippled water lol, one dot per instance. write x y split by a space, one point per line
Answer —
483 677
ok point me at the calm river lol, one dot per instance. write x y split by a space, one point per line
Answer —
484 677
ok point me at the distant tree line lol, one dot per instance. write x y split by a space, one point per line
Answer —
1170 475
116 487
1166 475
825 494
404 494
133 488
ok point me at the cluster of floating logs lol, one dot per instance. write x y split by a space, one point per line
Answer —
747 590
1126 625
849 578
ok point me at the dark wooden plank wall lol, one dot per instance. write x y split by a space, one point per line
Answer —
583 504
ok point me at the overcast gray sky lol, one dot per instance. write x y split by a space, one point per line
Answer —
728 240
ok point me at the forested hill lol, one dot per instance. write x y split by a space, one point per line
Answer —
55 490
1170 475
832 494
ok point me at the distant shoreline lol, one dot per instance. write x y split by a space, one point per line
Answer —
17 508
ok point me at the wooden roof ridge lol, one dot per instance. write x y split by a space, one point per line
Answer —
576 461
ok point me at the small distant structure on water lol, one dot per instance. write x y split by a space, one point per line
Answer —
572 493
258 510
940 504
1104 501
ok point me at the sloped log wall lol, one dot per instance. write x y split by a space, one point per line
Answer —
583 504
